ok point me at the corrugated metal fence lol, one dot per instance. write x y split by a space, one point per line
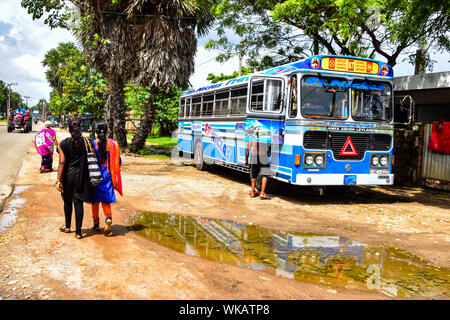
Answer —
435 165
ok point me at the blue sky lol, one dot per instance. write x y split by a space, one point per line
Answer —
24 42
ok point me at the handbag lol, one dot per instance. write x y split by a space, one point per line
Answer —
95 176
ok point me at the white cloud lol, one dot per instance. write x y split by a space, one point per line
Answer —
205 63
23 45
29 67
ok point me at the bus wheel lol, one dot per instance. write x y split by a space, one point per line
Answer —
271 185
198 157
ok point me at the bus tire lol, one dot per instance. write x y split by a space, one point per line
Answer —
198 157
10 129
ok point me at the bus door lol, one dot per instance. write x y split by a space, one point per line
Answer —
266 112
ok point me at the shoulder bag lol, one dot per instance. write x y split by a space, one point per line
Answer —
95 176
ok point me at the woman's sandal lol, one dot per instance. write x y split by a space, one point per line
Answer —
107 231
78 236
64 229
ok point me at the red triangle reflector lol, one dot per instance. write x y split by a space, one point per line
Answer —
351 152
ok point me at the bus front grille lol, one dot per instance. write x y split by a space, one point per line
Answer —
360 142
380 142
315 140
335 141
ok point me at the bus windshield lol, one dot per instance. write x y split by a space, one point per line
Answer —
371 101
324 97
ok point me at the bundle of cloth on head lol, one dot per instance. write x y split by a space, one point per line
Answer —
44 143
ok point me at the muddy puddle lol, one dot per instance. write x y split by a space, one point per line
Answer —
317 258
9 215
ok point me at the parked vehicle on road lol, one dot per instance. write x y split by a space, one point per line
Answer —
334 128
54 121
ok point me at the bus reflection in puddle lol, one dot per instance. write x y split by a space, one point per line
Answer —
317 258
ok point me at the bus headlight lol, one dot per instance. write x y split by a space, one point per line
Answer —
319 160
383 161
314 160
309 160
375 161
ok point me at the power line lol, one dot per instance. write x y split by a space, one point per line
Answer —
198 65
148 15
205 62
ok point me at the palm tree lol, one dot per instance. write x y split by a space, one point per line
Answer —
54 59
150 42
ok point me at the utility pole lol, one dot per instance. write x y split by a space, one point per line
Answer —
26 101
43 110
240 59
9 95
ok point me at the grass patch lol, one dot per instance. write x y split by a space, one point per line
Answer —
158 142
4 120
152 154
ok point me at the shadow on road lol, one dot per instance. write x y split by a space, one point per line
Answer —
344 194
117 231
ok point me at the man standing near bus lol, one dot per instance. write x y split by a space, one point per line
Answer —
259 165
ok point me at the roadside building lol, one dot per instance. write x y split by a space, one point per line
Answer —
414 163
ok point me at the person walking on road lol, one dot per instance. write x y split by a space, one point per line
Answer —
109 161
45 141
73 177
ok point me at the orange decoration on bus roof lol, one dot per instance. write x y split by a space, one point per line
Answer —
349 65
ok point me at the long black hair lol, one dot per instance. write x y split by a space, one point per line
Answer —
75 133
101 128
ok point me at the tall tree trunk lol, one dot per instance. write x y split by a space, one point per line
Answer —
316 48
420 62
147 120
110 116
117 112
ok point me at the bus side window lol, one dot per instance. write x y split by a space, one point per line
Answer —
222 101
294 101
196 106
257 96
182 103
238 101
207 106
188 108
272 95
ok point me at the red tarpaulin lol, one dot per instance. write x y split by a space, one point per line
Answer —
440 137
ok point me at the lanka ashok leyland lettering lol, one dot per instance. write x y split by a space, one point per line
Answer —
328 119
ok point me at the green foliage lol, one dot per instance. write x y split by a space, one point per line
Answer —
76 86
3 92
136 98
41 106
16 98
286 30
165 104
167 109
57 13
214 79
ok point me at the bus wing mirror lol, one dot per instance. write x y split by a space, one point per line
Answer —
407 104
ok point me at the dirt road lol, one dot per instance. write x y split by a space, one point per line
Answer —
241 248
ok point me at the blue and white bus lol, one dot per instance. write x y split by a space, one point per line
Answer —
329 120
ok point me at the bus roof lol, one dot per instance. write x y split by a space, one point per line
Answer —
325 63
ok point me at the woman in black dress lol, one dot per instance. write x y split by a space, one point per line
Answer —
73 177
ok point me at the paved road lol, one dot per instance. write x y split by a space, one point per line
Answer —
13 147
